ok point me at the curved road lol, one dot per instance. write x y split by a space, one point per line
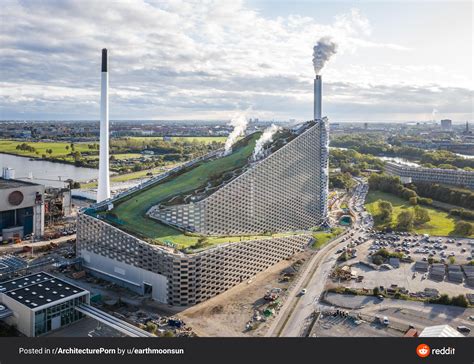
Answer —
297 309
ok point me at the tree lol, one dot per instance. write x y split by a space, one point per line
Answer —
377 259
463 228
385 211
452 260
67 147
77 156
151 327
413 201
460 300
422 216
405 220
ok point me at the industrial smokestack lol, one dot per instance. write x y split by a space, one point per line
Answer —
324 49
103 191
318 90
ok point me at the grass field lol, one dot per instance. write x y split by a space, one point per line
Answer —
323 237
441 223
60 151
58 148
210 139
132 210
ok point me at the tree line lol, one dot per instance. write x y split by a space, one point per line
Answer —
450 195
375 144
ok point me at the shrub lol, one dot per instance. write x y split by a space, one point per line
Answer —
460 301
377 259
463 228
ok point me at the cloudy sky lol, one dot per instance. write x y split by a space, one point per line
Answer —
172 59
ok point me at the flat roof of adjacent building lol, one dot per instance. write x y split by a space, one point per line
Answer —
15 183
38 289
440 331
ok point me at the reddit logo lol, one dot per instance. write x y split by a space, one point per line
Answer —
423 350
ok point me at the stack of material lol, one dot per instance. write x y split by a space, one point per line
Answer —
469 272
437 272
455 274
421 266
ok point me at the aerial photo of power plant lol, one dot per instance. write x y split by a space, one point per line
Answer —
180 169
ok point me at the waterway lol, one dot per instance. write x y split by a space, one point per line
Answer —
44 172
399 160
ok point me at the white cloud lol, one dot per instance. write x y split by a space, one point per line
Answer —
172 59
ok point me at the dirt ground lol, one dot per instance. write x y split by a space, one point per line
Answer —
226 315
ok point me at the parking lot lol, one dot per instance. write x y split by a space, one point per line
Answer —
403 275
422 247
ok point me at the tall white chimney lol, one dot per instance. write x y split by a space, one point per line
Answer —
103 191
318 85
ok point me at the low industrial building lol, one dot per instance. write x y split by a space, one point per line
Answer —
40 303
21 209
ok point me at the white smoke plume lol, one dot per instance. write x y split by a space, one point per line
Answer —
266 137
433 114
239 122
322 51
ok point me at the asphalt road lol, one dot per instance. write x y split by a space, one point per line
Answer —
297 309
11 248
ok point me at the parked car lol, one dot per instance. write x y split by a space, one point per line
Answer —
386 321
303 291
464 329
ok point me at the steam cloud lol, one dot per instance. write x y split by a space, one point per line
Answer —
239 122
433 114
322 51
266 137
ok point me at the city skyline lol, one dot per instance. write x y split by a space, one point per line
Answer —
186 61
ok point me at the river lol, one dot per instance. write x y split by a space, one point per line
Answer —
44 172
399 160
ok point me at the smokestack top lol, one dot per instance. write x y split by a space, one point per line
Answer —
104 60
318 77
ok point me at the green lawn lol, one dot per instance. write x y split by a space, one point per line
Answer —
441 223
323 237
58 148
131 211
124 156
210 139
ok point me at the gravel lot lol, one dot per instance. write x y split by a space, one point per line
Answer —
400 313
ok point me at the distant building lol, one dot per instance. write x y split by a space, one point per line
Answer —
21 209
454 177
446 124
466 130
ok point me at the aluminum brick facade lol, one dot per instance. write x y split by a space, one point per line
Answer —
192 278
286 191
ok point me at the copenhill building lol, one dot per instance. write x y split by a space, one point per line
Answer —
194 232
